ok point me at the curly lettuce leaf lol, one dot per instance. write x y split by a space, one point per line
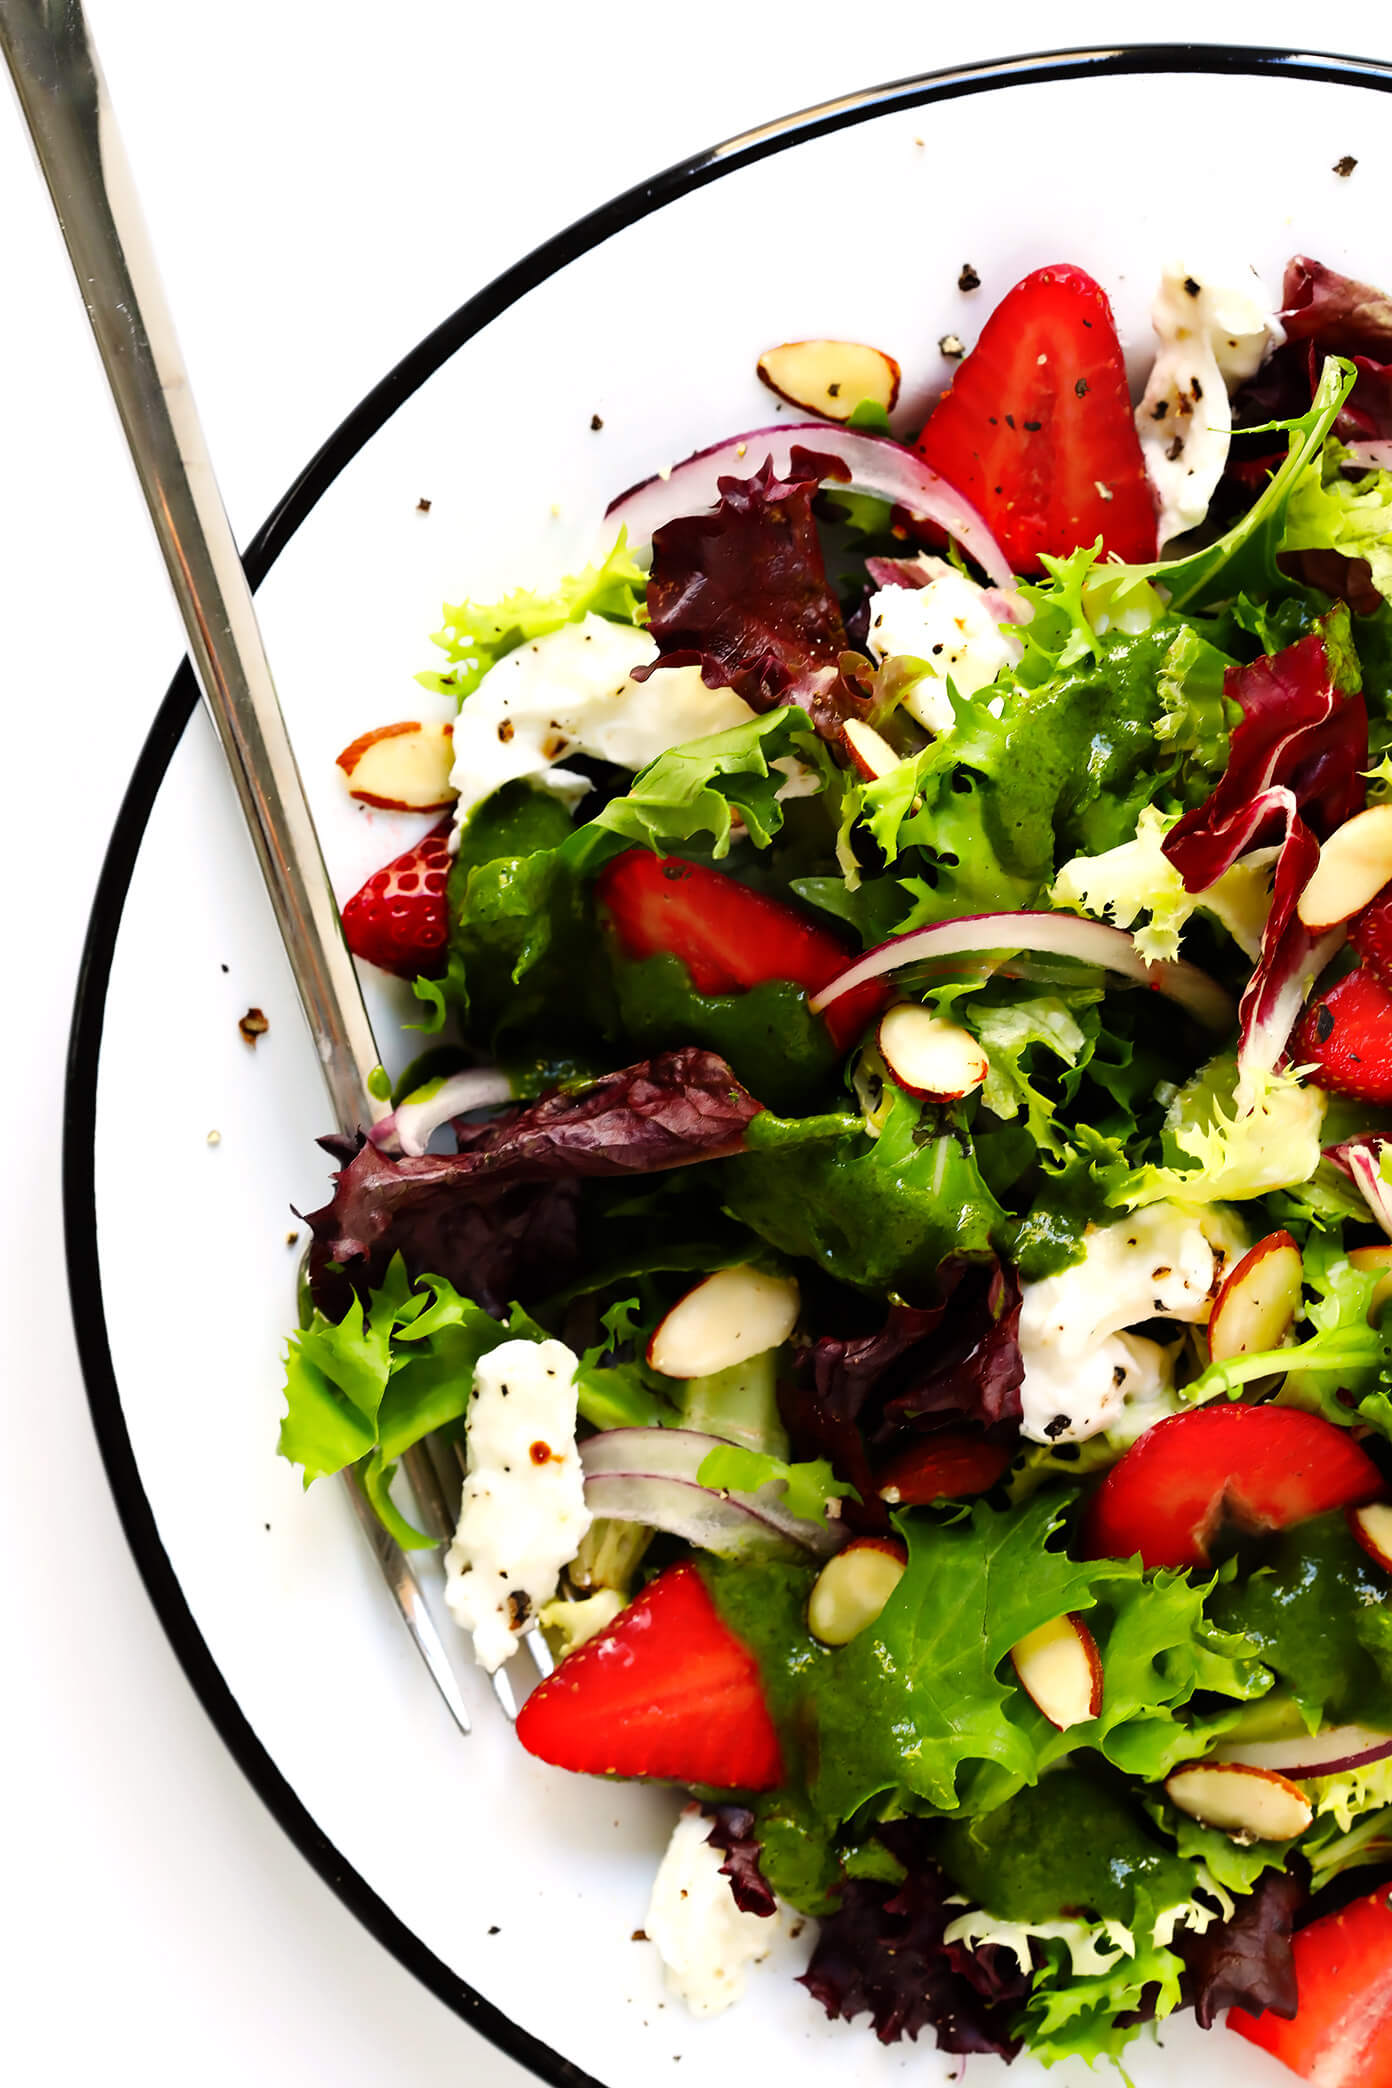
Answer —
476 635
1328 512
1215 1153
922 1704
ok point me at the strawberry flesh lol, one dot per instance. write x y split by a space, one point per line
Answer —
399 920
1265 1466
942 1467
1341 2033
1037 430
1371 935
667 1691
729 937
1346 1035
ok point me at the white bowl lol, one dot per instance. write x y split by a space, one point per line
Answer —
512 1889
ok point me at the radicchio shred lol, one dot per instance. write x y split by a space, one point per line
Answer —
1245 1962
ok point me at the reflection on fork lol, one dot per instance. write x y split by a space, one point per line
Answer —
435 1472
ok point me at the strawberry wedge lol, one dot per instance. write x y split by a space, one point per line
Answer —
399 919
667 1691
1037 431
1341 2033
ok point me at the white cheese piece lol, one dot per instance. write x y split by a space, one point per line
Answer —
1211 336
706 1942
522 1513
1081 1370
950 625
572 692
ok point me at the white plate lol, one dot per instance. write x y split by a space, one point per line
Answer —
510 1888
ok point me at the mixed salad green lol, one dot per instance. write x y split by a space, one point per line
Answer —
911 1191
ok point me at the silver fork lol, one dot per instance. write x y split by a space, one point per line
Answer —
68 113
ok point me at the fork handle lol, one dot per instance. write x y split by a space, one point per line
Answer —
69 117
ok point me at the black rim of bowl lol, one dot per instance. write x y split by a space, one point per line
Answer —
84 1051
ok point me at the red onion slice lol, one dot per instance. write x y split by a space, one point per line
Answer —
413 1123
1370 455
648 1475
1361 1160
873 464
1328 1753
1056 934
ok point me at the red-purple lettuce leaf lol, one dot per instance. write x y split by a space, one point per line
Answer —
1245 1962
882 1953
732 1831
742 593
499 1218
856 1398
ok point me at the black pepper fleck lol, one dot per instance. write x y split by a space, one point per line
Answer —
422 507
968 279
1324 1025
1192 287
1033 427
595 423
1345 166
1081 388
1176 449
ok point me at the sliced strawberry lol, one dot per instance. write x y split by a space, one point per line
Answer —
667 1691
1037 430
1264 1466
1346 1035
728 937
942 1468
1371 935
1341 2033
399 920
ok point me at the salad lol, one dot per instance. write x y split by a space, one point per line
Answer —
895 1213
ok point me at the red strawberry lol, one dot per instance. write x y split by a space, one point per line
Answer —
729 937
1371 935
667 1691
399 920
1341 2033
942 1467
1266 1467
1037 429
1346 1035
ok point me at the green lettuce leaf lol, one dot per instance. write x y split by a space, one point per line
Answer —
805 1489
476 635
1327 511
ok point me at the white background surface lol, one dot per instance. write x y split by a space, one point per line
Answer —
323 183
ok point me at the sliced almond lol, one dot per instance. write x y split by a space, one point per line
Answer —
851 1589
1257 1301
1368 1260
1060 1668
1372 1526
831 378
402 768
873 755
729 1317
1248 1803
929 1056
1354 865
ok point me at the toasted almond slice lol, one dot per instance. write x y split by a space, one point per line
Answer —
873 755
1354 865
1248 1803
1368 1259
929 1056
1257 1300
851 1589
402 768
831 378
1372 1526
1060 1668
729 1317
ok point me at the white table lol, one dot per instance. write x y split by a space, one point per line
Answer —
321 187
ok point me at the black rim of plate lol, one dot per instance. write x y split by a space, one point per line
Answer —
84 1051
